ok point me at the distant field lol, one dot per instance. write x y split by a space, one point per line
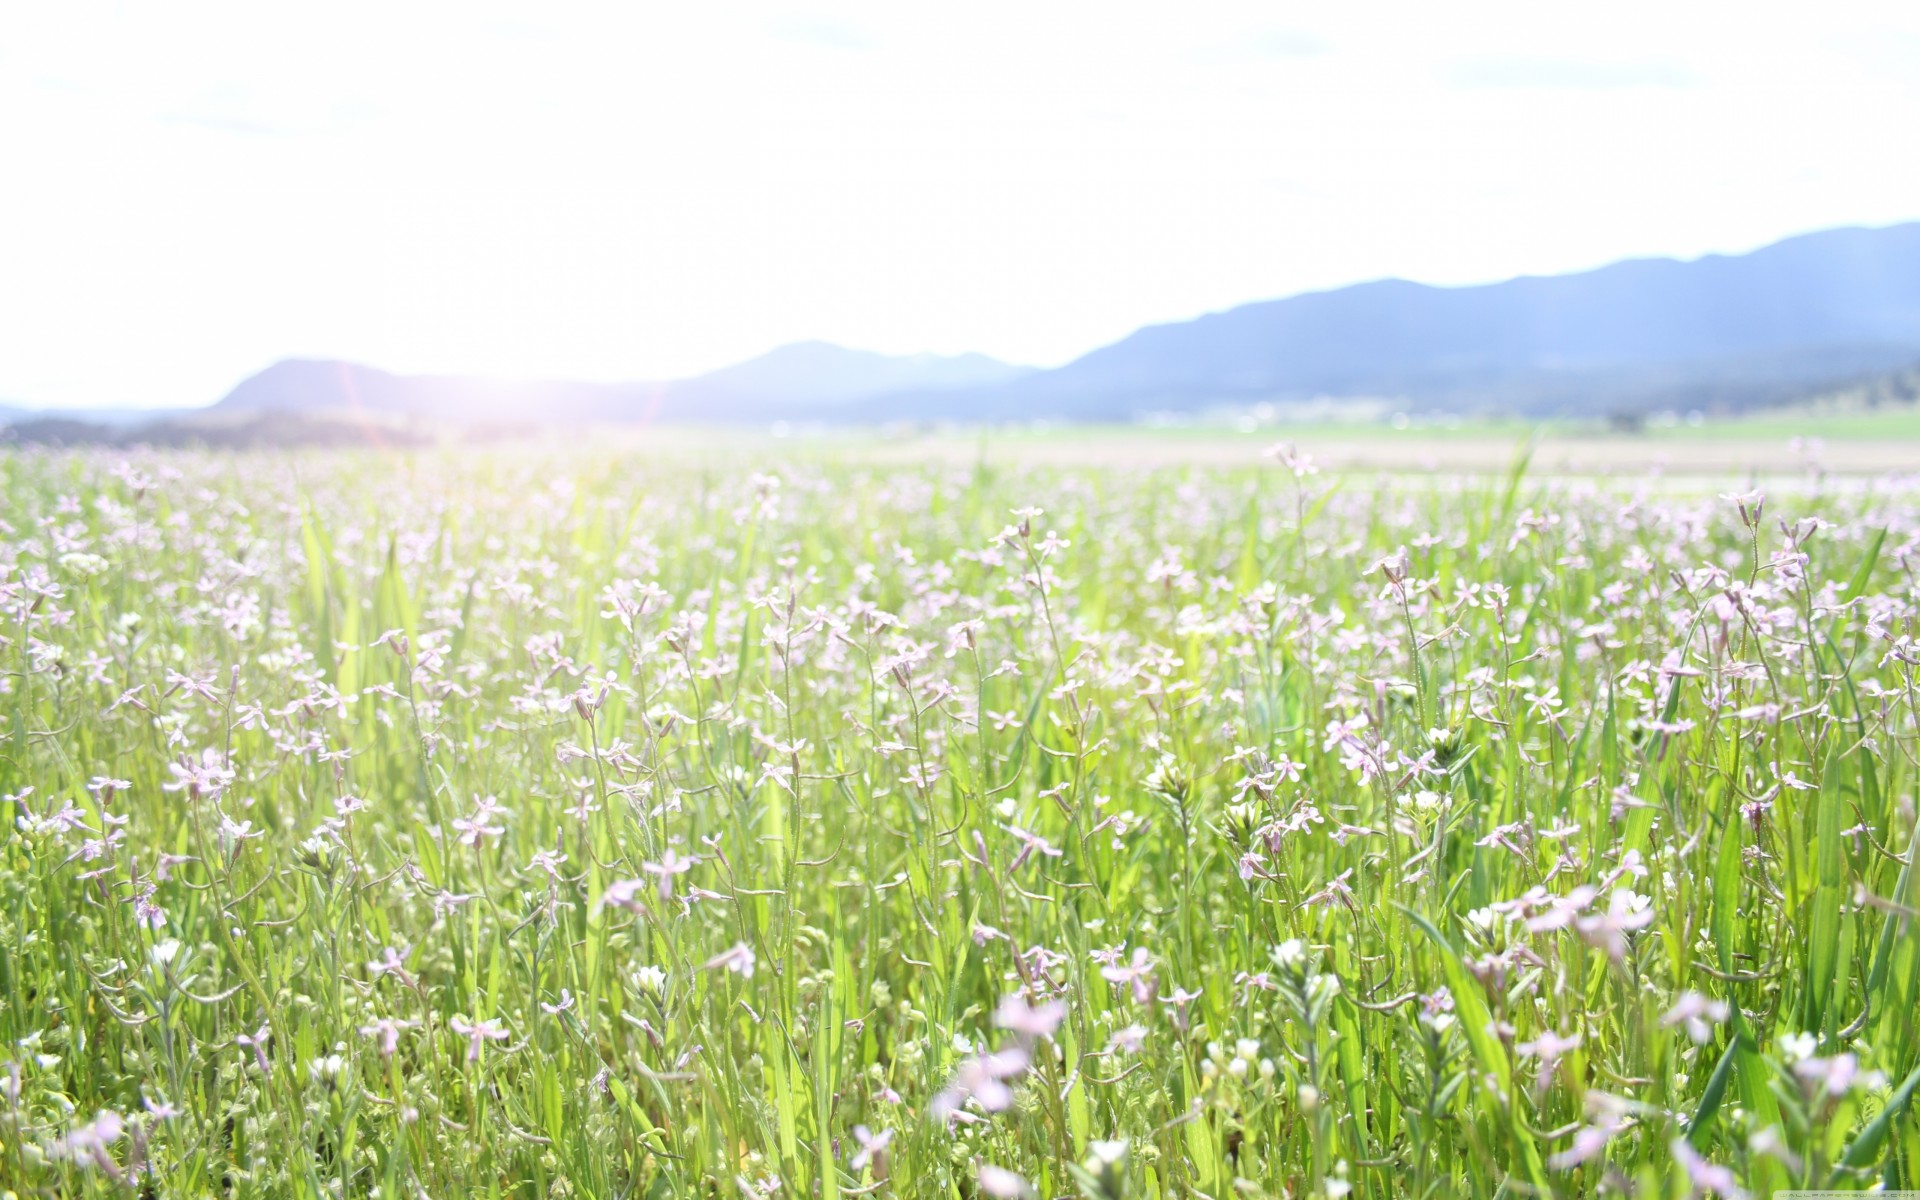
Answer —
1770 445
1903 423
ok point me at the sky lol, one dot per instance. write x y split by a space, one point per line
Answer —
649 190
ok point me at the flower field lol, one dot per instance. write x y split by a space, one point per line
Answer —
598 825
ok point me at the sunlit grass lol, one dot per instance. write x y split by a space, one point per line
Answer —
598 825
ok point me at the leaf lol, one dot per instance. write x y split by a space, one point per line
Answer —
1903 893
1715 1092
1352 1070
826 1055
1199 1137
1475 1023
1522 458
1726 895
1870 1139
1823 930
1864 572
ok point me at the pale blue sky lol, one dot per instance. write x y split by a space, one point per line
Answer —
624 191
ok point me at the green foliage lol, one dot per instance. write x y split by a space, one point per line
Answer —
599 824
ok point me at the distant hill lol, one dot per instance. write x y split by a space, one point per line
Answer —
1801 317
110 417
804 379
820 372
1716 332
212 429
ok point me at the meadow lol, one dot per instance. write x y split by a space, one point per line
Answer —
602 824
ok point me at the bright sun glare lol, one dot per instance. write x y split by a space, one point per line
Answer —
620 192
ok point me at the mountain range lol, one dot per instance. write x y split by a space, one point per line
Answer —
810 378
1720 332
1724 332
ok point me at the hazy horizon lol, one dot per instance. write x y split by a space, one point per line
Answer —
595 194
773 352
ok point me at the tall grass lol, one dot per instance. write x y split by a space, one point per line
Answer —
465 825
